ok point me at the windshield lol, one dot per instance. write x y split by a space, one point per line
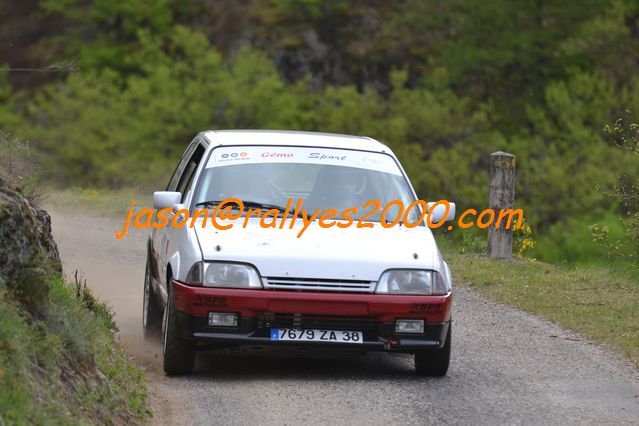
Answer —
322 178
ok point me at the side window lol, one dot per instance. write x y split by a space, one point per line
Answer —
173 183
186 179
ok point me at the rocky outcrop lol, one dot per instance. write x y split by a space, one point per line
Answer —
26 243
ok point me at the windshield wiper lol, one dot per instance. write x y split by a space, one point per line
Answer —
267 206
211 203
247 203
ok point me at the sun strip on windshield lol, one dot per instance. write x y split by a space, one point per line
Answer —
227 156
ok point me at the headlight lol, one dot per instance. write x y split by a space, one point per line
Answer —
411 281
223 274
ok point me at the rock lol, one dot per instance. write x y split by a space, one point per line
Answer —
26 242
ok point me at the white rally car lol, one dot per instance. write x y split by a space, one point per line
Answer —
339 282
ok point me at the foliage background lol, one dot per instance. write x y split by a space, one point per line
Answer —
117 89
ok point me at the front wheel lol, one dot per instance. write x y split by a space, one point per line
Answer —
179 353
434 363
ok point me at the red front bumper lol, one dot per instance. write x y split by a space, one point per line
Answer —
260 311
199 301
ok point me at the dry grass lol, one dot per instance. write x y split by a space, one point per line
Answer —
101 202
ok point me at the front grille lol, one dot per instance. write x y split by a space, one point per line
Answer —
319 284
318 322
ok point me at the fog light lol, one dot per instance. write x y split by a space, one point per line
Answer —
222 319
409 326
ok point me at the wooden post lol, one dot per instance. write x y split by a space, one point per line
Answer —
502 196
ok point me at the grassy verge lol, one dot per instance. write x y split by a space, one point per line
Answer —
61 363
600 302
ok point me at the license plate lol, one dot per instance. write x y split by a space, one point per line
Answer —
329 336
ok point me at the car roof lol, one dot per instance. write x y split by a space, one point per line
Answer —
292 138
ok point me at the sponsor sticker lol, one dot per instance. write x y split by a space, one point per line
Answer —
232 156
269 154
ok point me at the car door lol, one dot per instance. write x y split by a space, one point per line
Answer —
169 237
159 237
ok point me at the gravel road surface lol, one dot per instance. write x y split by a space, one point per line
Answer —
507 366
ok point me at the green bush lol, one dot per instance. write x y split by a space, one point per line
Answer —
571 241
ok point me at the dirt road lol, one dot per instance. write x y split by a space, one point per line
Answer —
507 366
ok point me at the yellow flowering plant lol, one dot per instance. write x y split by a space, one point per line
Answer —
522 239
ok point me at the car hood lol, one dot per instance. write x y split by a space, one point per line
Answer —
334 253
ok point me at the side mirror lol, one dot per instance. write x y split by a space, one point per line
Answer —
437 214
166 199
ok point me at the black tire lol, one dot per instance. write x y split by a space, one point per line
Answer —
179 353
435 363
151 310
